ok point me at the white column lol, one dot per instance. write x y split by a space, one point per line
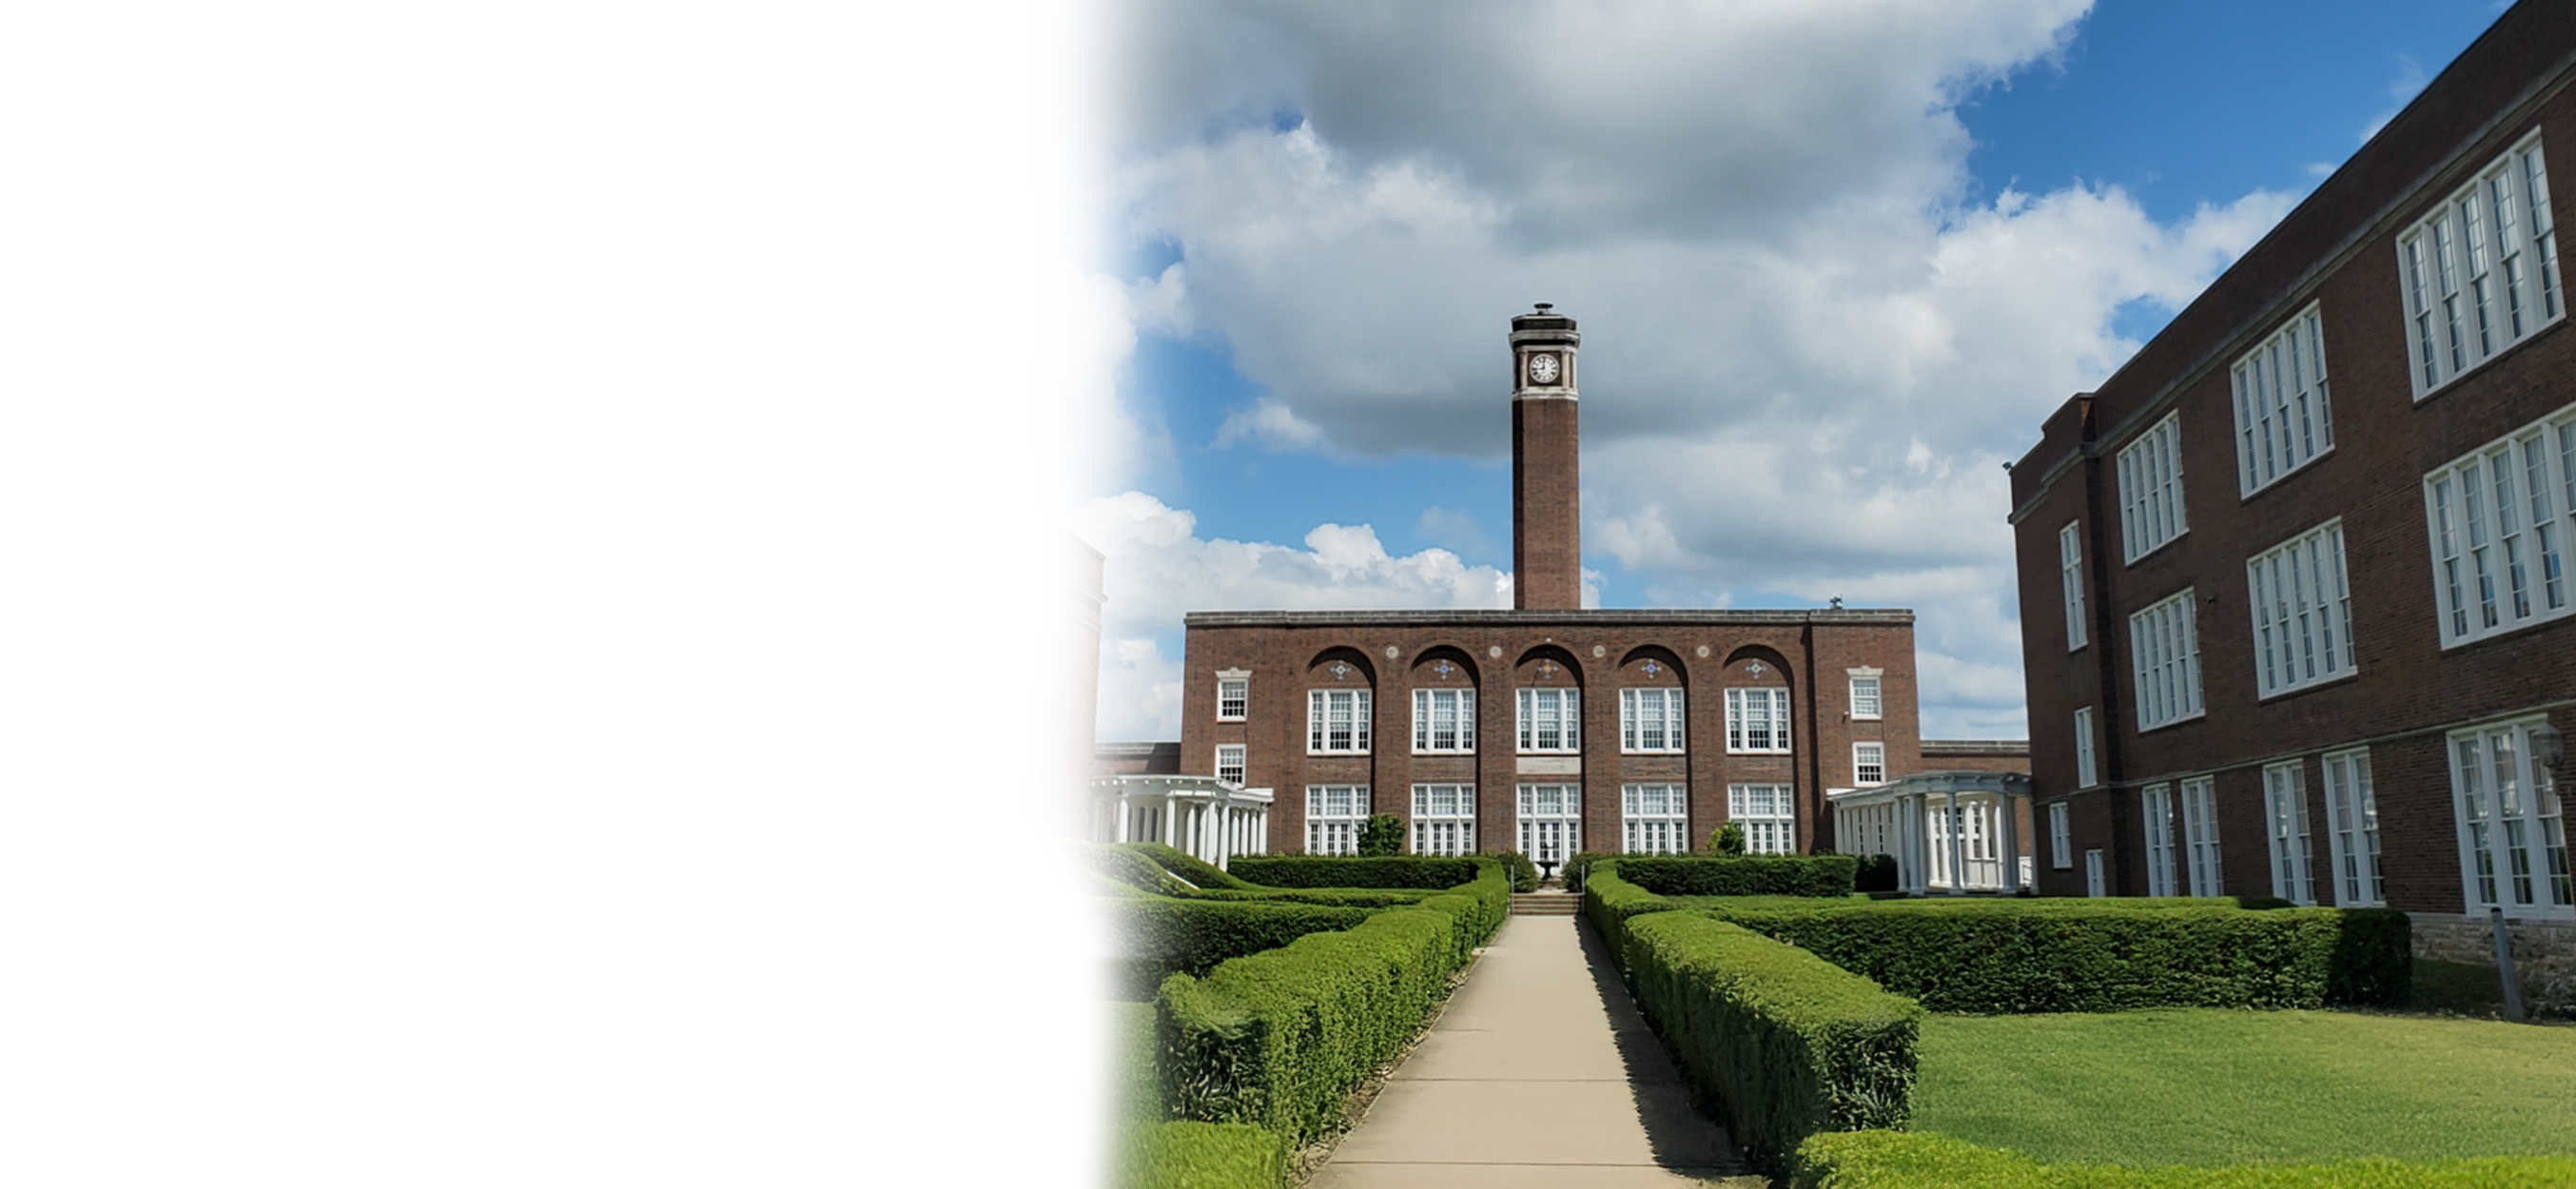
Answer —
1170 822
1123 814
1958 848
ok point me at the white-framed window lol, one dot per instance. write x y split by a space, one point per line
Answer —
2499 519
2352 823
1757 721
1869 764
2282 422
2061 837
1865 702
1444 819
2285 805
2151 489
1551 821
2302 610
1654 819
1650 720
2093 885
1769 815
1551 720
2480 272
1229 762
2087 774
1444 721
2513 838
2155 808
2200 834
1334 815
1337 721
2070 581
1233 695
2164 654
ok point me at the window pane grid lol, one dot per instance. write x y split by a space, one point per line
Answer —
1444 720
2200 835
1229 762
1654 819
1444 819
2352 821
2282 422
1549 720
2156 806
1757 720
2285 802
1233 696
1768 814
1551 821
2151 511
2481 272
2165 654
1334 814
2070 576
1869 763
1650 720
2302 612
2499 520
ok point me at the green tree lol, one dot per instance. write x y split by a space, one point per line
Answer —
1728 840
1382 836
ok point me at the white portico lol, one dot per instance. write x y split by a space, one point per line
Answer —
1952 832
1211 819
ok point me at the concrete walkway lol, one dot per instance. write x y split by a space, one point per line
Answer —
1540 1075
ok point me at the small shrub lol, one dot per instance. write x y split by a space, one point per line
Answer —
1325 871
1727 840
1523 873
1381 836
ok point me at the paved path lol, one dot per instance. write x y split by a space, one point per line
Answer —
1540 1074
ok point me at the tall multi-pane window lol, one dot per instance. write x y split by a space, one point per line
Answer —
2061 837
1551 720
2282 422
1757 720
2200 835
1551 821
2285 806
2302 612
1869 764
1650 720
2086 774
2500 519
1444 819
1654 819
1768 814
2164 652
2155 805
1444 720
1229 762
2093 882
1334 815
2352 821
2070 578
1864 693
2151 489
2480 272
1337 721
2513 838
1233 698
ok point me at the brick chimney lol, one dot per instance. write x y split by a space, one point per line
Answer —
1547 532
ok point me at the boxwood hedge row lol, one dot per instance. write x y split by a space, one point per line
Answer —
1898 1160
1747 875
1788 1044
1999 956
1325 871
1183 936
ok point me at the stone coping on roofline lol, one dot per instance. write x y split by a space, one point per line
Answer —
1933 747
1587 618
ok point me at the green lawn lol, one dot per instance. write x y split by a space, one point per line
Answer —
2213 1087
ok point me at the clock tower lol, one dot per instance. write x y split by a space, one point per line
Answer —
1547 526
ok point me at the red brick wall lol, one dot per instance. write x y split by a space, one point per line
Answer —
1547 527
2339 250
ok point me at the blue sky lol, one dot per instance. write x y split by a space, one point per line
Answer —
1834 262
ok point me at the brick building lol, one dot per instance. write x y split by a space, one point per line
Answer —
1064 693
2295 605
1550 728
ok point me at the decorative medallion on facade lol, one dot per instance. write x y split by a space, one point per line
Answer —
1393 652
1756 669
1547 670
1444 669
1494 652
1599 652
1703 652
1340 670
1652 669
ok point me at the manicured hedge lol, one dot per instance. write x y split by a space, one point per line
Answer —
1201 1156
1322 871
1787 1044
1523 873
1197 871
1897 1160
2001 956
1280 1038
1083 881
1749 875
1192 936
1133 869
1342 897
1876 873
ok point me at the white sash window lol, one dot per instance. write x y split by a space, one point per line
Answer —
2200 835
2285 802
2060 837
1334 814
2513 839
2352 820
1444 819
2499 520
1757 720
2070 580
2302 612
2282 422
1650 720
1337 721
2164 652
2155 804
1229 762
1655 819
2480 272
1444 720
2151 489
1550 720
1768 813
1551 821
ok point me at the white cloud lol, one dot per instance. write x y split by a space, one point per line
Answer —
1159 568
1085 341
1140 690
1804 357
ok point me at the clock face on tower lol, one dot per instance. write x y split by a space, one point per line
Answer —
1542 369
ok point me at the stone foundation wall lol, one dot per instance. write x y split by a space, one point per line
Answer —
2544 953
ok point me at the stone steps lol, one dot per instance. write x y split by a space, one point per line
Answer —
1545 904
